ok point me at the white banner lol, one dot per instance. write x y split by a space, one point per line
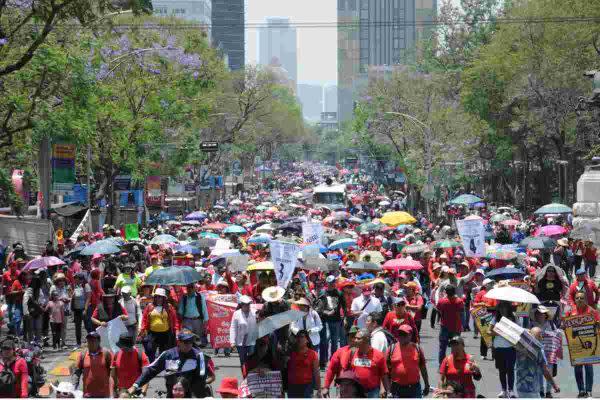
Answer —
312 233
284 258
472 233
32 232
109 334
84 226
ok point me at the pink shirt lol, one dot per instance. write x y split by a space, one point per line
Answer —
57 311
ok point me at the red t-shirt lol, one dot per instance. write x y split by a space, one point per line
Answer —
587 310
7 280
405 364
128 368
369 368
392 322
19 368
301 366
457 371
17 287
450 311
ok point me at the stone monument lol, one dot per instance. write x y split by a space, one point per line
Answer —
586 212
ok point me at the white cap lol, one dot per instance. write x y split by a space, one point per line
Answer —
480 271
126 289
245 300
330 279
160 292
445 269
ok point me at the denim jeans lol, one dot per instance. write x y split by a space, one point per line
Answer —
406 391
244 352
445 335
331 333
527 395
16 317
373 393
589 377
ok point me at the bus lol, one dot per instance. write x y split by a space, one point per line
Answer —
330 196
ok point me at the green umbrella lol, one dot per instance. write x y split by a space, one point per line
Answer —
446 244
554 208
466 199
369 227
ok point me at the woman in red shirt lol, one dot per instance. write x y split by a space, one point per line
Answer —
400 316
415 303
18 366
303 369
459 367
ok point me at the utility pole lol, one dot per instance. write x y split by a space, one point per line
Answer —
45 176
89 173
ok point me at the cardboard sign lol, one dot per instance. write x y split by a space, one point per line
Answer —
219 319
284 258
472 235
582 339
312 233
518 337
482 318
132 232
262 385
523 309
237 263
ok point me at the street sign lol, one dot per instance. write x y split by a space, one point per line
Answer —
209 147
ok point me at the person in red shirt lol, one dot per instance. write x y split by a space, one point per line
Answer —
368 364
585 284
415 303
334 368
481 301
94 364
400 316
459 367
8 278
582 308
127 365
402 357
303 369
450 309
18 366
590 258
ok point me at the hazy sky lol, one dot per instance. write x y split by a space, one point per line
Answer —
317 47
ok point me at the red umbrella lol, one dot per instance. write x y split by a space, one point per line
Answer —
402 264
215 226
248 205
315 212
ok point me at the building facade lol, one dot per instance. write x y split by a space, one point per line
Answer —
228 31
330 99
199 11
277 46
311 98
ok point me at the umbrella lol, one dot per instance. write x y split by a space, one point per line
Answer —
505 273
415 248
374 256
42 262
261 266
274 322
187 249
402 264
196 216
396 218
163 239
260 239
510 222
554 208
538 243
499 218
550 230
180 276
403 227
369 227
355 220
512 294
209 235
384 203
342 244
446 244
235 229
100 247
501 254
163 216
465 199
473 217
235 202
215 226
204 242
265 228
364 266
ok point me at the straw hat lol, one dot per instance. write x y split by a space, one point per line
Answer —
302 302
273 294
562 242
160 292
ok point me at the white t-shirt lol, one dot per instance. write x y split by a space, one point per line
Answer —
130 307
379 340
358 304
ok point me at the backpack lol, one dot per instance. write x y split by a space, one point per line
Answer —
139 357
391 350
8 381
391 339
107 360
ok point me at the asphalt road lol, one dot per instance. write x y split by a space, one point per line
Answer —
488 386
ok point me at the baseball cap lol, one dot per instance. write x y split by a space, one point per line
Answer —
186 336
353 330
456 340
330 279
126 289
405 328
93 335
580 271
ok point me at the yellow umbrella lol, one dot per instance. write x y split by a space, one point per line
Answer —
375 256
261 266
396 218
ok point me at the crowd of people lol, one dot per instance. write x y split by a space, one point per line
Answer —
360 317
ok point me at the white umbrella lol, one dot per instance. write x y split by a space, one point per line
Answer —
267 228
384 203
236 202
512 294
274 322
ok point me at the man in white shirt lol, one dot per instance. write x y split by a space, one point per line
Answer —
311 323
133 311
378 338
364 305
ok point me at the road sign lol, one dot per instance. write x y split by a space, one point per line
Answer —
209 147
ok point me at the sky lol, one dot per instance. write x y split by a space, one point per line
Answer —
317 47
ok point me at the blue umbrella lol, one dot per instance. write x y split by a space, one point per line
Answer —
342 244
163 216
180 276
465 199
209 235
188 249
100 247
163 239
554 208
505 273
260 239
402 228
116 240
196 216
234 229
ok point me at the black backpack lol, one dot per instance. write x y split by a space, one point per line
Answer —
8 381
391 339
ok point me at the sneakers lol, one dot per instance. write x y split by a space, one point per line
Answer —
582 395
549 395
511 395
502 395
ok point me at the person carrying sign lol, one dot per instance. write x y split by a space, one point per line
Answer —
582 308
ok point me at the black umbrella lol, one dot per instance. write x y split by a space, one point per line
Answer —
538 243
364 266
505 273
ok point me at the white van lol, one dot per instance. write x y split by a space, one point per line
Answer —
331 196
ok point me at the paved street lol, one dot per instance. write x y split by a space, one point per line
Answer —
489 386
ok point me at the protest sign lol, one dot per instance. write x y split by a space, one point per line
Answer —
109 334
518 337
284 258
482 318
219 318
132 231
262 385
237 263
472 234
582 339
312 233
523 309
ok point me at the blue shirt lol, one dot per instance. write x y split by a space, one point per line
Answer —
530 373
191 309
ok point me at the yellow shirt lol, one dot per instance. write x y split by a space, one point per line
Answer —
159 321
151 269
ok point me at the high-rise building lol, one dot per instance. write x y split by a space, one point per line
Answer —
375 33
192 10
426 13
330 99
277 46
311 98
228 33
